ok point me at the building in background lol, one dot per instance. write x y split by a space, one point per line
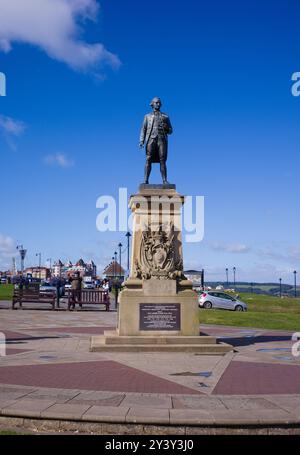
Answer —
38 272
114 270
66 270
57 269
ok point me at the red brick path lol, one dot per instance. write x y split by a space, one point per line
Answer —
249 378
101 375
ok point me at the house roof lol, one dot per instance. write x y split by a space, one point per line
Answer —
80 263
58 263
114 268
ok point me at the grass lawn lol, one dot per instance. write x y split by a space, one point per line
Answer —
10 433
6 291
264 312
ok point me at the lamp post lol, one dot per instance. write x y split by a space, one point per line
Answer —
120 257
40 261
251 284
280 289
227 276
113 265
115 280
234 270
295 282
128 235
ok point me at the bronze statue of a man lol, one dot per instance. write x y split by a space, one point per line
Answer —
154 134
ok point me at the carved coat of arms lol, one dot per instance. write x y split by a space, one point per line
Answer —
157 258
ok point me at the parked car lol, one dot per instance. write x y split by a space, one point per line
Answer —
47 287
88 285
217 299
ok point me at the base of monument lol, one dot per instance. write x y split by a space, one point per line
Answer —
112 342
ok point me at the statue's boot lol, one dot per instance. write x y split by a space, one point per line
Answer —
163 171
147 173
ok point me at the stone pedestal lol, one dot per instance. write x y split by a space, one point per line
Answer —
158 310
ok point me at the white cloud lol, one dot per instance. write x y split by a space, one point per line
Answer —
59 159
53 26
231 248
11 126
290 254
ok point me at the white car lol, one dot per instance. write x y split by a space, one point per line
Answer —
47 287
217 299
88 285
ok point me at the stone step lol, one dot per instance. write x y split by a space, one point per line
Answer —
161 340
98 344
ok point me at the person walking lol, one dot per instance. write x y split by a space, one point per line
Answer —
76 289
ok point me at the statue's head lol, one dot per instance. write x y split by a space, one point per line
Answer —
156 103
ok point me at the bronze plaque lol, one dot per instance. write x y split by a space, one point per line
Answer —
160 316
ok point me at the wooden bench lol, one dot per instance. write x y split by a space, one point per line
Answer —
88 297
32 294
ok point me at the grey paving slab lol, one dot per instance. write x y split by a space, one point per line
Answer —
287 402
13 395
191 417
106 414
98 398
234 417
31 408
147 401
272 417
54 393
55 398
16 389
205 403
6 403
139 414
296 412
97 395
65 411
248 403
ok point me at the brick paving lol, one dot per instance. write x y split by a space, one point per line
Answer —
88 330
103 375
49 373
247 378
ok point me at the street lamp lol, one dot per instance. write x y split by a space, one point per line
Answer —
280 289
227 276
120 257
40 262
128 235
113 264
251 284
295 282
234 270
115 280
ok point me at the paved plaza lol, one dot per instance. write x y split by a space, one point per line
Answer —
49 374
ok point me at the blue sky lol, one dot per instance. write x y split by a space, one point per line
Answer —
79 82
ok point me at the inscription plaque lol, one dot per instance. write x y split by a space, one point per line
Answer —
160 316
